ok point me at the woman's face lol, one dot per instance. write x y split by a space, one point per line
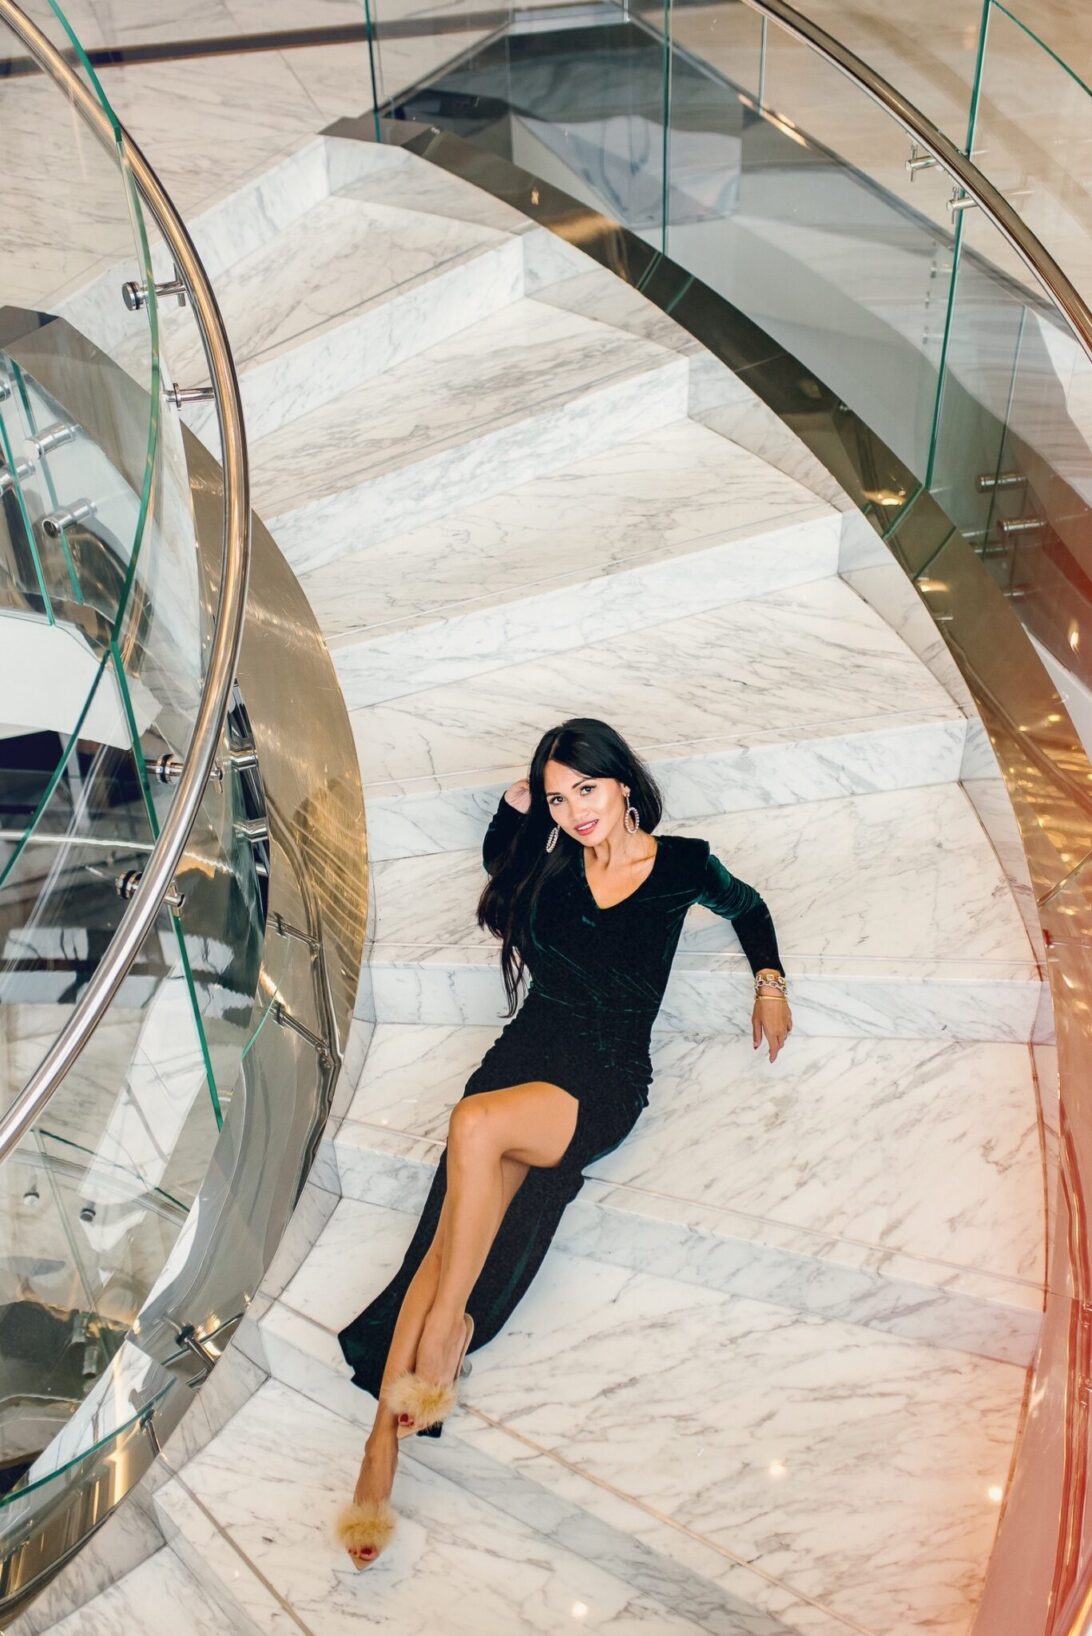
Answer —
589 809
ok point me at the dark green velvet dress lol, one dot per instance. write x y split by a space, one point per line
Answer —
597 977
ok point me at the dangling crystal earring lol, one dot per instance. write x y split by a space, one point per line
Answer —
552 842
636 824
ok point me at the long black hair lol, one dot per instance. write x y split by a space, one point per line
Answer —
525 868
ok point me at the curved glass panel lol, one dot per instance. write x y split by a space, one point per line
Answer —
1032 136
20 1508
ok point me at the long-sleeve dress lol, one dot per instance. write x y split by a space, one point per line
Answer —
597 979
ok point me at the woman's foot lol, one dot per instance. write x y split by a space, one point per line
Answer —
427 1394
366 1525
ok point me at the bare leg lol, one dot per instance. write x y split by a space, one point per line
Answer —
377 1468
531 1124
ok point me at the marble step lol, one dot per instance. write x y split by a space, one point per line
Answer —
810 1183
531 388
824 1473
337 257
287 378
864 890
370 272
803 692
674 523
182 1606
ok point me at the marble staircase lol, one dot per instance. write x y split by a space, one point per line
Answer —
770 1376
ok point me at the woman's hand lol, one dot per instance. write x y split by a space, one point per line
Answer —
771 1016
518 795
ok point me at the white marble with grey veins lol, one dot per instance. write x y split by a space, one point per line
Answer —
662 526
798 659
182 1606
527 388
465 1565
724 1455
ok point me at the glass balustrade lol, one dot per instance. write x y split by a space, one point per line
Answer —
107 613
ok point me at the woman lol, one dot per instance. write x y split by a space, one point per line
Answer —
585 898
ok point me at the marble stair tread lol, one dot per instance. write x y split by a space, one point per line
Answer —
880 1510
660 498
794 660
458 1563
161 1583
835 1141
412 183
743 771
333 259
499 371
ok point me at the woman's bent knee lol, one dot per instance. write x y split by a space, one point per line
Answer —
472 1126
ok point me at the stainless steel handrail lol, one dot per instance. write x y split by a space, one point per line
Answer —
139 916
1060 290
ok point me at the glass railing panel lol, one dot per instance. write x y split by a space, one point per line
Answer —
788 222
408 46
72 830
77 507
221 929
95 1438
1011 465
727 37
97 1192
1032 137
930 52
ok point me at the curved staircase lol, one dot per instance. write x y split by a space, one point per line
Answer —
770 1376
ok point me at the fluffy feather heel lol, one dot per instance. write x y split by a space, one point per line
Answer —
423 1401
366 1526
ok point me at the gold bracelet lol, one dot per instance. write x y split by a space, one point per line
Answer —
777 985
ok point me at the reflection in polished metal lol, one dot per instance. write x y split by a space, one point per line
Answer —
252 829
283 929
227 630
1020 525
284 1017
